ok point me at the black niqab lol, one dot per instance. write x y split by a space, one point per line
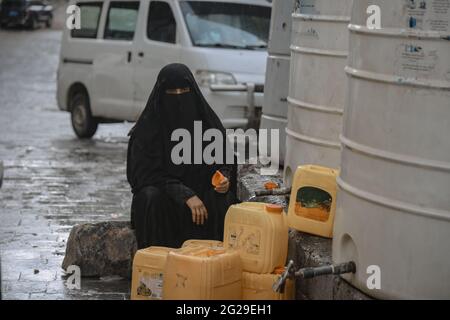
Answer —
149 165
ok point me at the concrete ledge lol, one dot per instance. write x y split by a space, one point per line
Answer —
306 250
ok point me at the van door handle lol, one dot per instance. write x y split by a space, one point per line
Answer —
141 54
129 56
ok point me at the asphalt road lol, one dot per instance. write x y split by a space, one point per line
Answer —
52 180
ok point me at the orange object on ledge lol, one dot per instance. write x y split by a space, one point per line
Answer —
217 178
271 185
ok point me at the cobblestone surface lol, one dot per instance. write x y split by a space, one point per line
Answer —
52 180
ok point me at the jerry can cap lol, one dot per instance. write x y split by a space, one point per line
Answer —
274 208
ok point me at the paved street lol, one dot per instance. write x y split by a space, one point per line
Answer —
52 180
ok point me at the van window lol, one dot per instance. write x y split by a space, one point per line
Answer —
227 24
90 16
121 21
161 25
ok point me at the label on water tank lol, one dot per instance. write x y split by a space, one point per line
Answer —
431 15
414 60
306 7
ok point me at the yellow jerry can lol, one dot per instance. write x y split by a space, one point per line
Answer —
148 271
313 200
202 273
257 286
260 232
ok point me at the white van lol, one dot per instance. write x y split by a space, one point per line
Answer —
108 67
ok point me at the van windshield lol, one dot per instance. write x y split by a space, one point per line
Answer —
226 24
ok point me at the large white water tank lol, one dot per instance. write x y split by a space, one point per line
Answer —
393 202
280 27
317 83
277 72
275 98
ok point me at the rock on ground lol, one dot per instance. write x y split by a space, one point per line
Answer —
101 249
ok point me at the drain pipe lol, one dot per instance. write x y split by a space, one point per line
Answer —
308 273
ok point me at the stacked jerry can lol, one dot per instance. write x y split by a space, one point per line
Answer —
260 233
393 208
198 263
317 84
312 204
245 266
148 272
203 273
277 72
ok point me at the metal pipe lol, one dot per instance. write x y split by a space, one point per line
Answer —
228 87
342 268
308 273
258 88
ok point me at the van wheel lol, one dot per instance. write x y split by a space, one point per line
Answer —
83 123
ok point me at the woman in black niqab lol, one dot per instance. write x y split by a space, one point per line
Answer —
173 203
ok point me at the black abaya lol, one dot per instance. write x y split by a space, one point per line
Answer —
159 213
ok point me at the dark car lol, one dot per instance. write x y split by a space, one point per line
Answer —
28 13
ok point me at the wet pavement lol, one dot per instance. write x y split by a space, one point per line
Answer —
52 180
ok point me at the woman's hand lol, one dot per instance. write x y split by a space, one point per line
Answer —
198 209
223 186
